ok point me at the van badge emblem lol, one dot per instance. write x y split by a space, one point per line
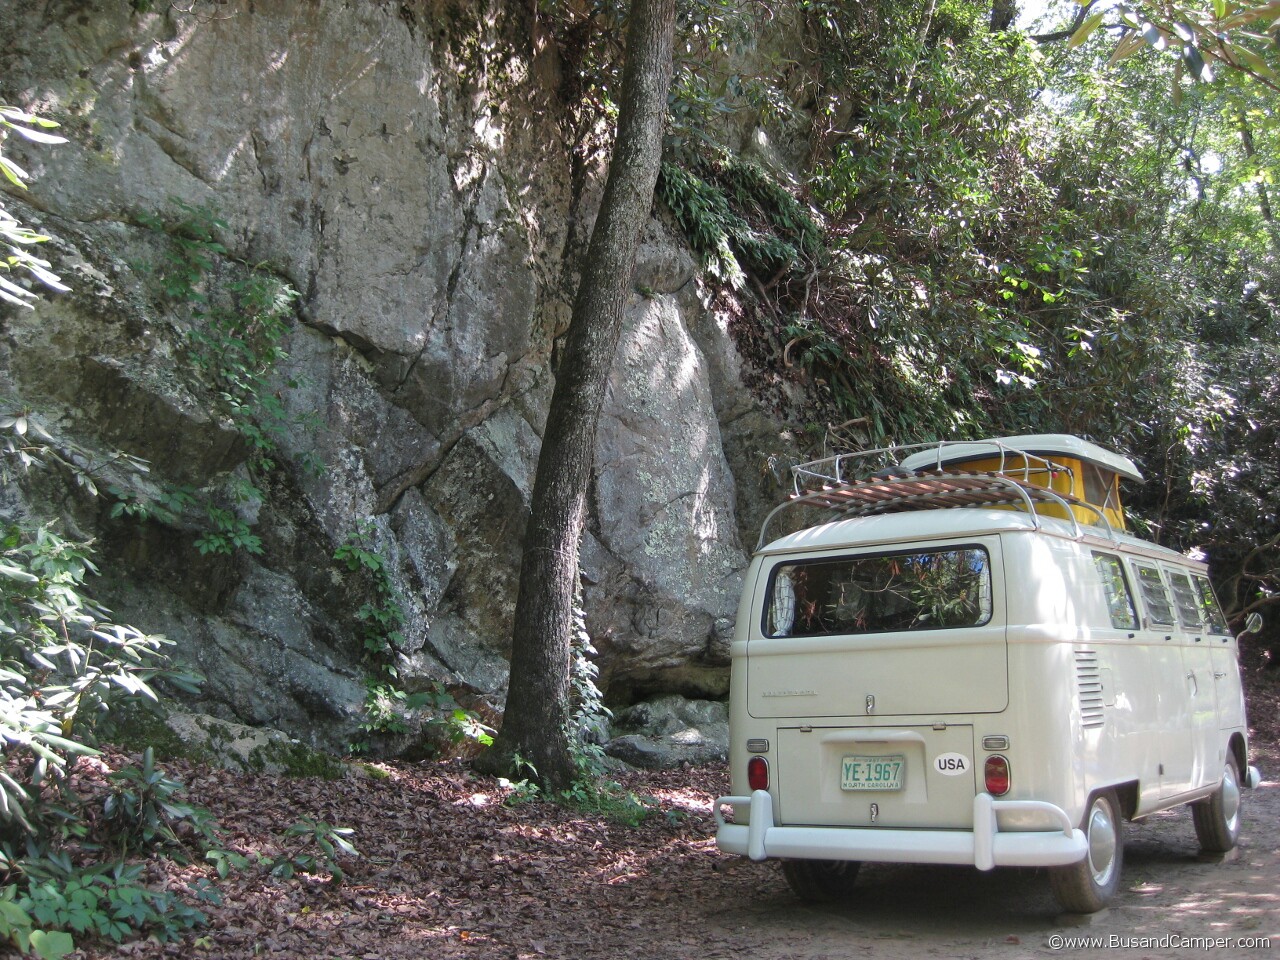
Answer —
871 704
951 764
875 812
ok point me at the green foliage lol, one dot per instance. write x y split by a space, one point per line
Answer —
106 902
18 929
739 219
13 234
381 616
241 315
593 793
1192 36
143 810
1014 239
593 790
165 506
63 664
588 716
385 711
387 708
65 667
230 533
318 849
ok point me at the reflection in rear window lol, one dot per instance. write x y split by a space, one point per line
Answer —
918 590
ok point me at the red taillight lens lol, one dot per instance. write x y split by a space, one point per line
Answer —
758 773
996 774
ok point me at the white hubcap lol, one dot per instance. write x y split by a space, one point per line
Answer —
1230 799
1102 843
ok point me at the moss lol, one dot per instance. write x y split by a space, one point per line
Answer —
300 761
136 727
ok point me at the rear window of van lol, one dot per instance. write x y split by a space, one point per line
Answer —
909 590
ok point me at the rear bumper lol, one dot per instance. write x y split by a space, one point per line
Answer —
983 847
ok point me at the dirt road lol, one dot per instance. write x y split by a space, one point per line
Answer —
1173 904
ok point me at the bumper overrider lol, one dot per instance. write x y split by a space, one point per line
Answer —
984 847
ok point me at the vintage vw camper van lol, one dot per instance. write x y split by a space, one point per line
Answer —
969 661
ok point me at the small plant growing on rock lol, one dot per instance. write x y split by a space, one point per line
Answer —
241 314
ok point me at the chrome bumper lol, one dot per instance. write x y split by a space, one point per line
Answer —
983 847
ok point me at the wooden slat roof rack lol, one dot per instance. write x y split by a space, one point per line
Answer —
829 483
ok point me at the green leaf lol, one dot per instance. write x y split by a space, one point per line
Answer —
1128 46
36 136
1195 63
14 173
52 944
1086 29
16 573
1254 62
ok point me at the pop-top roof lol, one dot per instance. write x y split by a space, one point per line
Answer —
913 478
1036 444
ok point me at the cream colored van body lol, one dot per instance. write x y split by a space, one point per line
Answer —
976 685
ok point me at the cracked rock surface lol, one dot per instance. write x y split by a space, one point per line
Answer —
409 176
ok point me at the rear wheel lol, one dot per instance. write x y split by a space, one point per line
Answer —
821 881
1217 819
1087 886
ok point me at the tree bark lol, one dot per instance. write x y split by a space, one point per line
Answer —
1004 13
1259 185
535 721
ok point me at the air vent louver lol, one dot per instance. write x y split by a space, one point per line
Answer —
1089 688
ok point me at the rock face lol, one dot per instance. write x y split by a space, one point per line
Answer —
670 731
404 168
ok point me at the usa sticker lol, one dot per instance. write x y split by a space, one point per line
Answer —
951 764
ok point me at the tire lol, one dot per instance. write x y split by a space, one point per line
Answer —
1088 886
821 881
1217 818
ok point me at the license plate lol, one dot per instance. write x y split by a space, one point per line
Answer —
872 773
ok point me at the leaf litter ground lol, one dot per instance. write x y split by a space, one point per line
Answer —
448 869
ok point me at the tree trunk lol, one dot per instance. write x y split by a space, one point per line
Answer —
535 721
1259 184
1004 13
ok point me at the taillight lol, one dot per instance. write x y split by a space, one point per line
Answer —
996 774
758 773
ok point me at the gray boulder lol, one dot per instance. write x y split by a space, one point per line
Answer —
671 731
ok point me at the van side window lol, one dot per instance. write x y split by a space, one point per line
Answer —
1154 596
1116 587
1184 596
913 590
1214 621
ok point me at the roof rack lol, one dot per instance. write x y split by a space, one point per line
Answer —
826 483
842 468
